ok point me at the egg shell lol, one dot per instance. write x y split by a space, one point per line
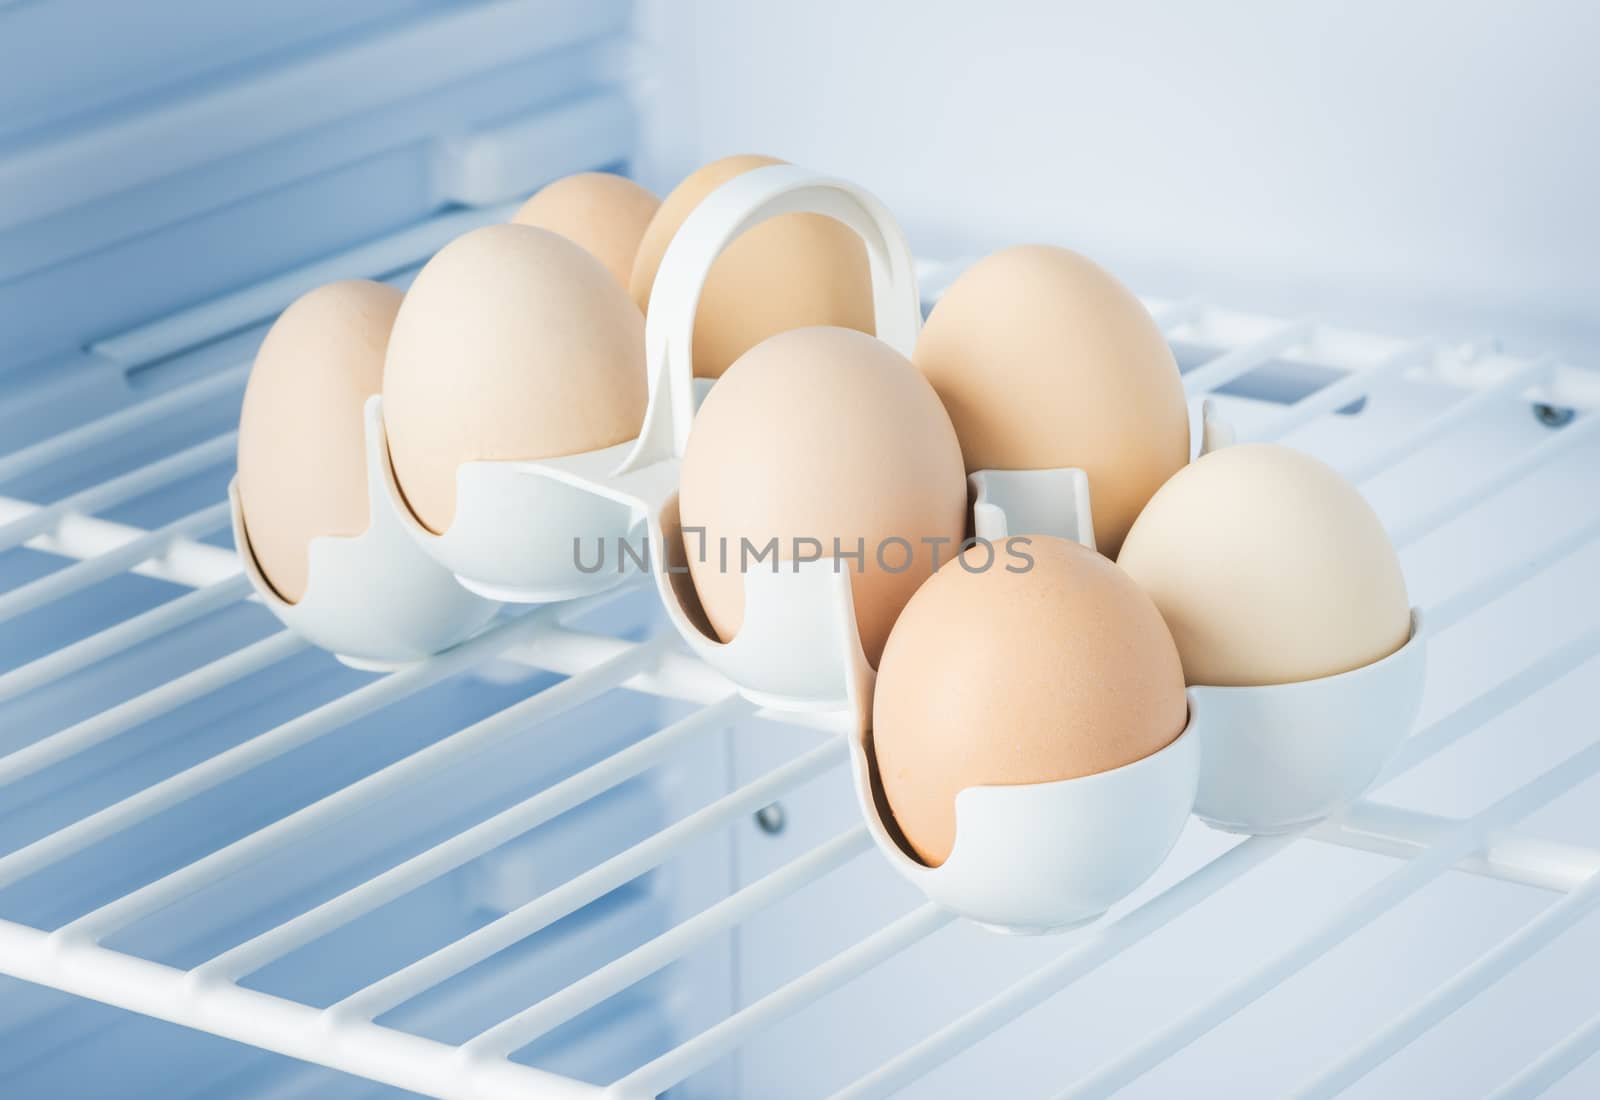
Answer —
602 213
822 433
302 467
792 271
1045 361
1018 674
1269 568
513 343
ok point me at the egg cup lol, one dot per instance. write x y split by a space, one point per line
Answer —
797 648
1042 857
1279 757
374 599
1047 857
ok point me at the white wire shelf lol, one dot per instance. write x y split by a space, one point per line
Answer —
78 955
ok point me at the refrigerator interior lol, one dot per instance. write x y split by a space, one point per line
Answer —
560 857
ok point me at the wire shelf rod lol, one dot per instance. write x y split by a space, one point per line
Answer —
1515 382
464 847
1508 855
95 433
1547 1070
1447 612
1490 704
518 1031
185 561
163 699
599 880
524 714
113 491
1359 383
1488 969
1086 953
1245 358
1530 461
715 1042
1365 908
408 1062
263 747
126 635
103 566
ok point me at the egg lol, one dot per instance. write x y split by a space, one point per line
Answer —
821 433
1044 361
513 344
602 213
1036 661
302 463
789 272
1269 568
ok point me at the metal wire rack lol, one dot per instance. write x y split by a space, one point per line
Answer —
83 956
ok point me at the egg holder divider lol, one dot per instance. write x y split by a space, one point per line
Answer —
1279 757
375 600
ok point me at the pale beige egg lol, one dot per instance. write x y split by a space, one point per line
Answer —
1269 568
302 463
602 213
822 434
1045 360
513 343
788 272
1042 663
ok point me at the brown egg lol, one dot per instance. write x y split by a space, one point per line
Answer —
513 343
302 463
1018 673
1270 568
601 213
822 433
788 272
1045 360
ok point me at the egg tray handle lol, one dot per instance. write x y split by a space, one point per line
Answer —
739 205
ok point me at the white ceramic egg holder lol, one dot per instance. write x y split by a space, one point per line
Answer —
374 599
1278 757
